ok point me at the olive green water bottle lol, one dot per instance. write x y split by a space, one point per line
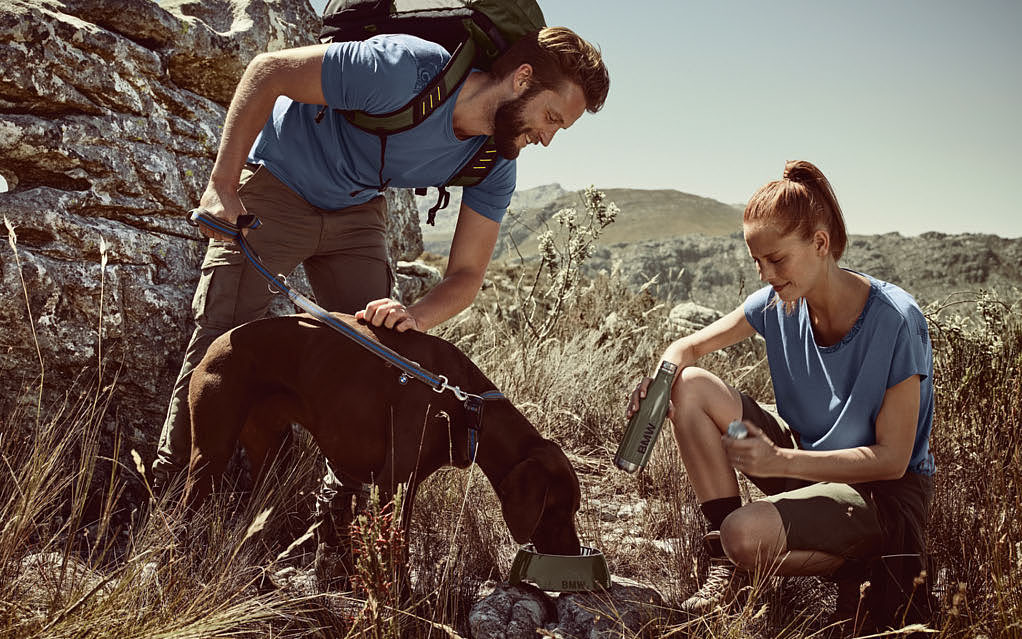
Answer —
644 426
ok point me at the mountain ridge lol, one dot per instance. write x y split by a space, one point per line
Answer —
694 248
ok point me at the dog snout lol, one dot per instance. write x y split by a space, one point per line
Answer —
557 537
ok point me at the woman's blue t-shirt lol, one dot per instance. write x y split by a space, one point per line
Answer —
333 164
831 395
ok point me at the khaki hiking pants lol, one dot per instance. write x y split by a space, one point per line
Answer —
345 257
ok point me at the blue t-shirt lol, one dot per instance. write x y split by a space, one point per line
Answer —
831 395
333 164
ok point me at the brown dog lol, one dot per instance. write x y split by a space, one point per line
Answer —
259 378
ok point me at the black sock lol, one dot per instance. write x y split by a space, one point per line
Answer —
716 510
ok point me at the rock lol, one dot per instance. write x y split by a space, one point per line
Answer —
205 44
713 271
45 577
717 271
692 316
111 117
612 510
614 326
413 279
620 612
510 612
671 545
404 237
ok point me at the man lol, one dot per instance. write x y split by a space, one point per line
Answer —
314 179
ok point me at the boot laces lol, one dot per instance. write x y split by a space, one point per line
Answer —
718 580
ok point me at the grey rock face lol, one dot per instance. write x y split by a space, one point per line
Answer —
110 117
510 612
37 575
619 612
717 272
414 279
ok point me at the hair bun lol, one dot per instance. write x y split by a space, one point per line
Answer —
800 171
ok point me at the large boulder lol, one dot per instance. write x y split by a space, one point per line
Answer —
111 117
691 317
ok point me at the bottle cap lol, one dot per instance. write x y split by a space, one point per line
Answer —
737 430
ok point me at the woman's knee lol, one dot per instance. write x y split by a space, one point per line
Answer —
698 393
752 536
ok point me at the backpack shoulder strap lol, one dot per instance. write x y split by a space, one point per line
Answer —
473 172
476 169
429 99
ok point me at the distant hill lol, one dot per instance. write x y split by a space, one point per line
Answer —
645 214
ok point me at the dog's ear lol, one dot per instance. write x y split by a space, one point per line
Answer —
556 531
523 496
560 473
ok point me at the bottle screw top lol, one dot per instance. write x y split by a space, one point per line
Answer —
737 430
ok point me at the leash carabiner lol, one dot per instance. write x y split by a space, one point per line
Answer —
441 384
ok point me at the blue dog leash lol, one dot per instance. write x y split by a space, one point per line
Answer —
472 403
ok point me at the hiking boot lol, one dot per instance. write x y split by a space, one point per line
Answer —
334 563
333 567
167 487
724 581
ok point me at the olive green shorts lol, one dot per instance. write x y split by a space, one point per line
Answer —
854 521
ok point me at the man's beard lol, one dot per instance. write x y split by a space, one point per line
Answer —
509 123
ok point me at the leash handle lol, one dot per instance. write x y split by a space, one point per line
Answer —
205 219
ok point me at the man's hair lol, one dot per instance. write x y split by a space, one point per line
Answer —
558 54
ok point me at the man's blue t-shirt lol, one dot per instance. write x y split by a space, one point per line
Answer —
333 164
831 395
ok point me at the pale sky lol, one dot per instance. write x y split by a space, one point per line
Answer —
910 107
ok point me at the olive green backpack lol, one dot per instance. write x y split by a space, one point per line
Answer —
475 32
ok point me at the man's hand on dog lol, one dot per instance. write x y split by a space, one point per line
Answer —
388 313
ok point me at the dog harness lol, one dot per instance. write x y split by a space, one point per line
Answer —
472 403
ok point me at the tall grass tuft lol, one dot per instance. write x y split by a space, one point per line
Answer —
975 529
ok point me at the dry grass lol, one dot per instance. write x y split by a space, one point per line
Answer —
59 495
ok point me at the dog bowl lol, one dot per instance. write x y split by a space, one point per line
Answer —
562 573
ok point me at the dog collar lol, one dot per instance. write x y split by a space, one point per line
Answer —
474 412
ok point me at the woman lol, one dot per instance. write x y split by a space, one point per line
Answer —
844 461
